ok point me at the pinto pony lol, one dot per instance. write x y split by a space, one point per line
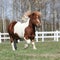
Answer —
25 30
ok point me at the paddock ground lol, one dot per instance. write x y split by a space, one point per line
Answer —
45 51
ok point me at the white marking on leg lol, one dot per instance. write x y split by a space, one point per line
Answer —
26 46
27 42
13 46
33 44
18 40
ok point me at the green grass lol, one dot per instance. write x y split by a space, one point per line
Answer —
45 51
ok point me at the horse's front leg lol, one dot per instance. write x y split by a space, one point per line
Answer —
27 42
13 44
33 44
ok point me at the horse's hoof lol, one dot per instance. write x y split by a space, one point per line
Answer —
13 49
35 48
26 46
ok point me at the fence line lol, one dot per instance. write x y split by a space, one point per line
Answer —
39 35
4 36
50 34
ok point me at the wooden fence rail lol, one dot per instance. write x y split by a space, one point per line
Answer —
48 34
39 35
4 36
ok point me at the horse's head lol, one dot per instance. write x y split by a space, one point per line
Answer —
35 18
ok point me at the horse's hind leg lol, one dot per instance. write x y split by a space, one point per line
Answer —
13 44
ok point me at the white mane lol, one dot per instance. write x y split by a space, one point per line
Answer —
25 18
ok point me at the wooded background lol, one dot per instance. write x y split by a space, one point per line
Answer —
14 9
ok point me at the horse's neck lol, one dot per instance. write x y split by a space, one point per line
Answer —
31 25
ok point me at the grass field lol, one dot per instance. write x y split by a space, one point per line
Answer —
45 51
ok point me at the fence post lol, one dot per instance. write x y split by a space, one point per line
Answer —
36 36
57 35
43 37
0 38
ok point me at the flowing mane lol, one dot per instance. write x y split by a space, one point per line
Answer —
25 17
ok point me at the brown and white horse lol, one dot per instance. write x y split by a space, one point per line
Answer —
25 30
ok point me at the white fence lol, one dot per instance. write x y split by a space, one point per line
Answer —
4 36
51 34
39 35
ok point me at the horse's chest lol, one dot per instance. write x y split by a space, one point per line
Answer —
20 29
